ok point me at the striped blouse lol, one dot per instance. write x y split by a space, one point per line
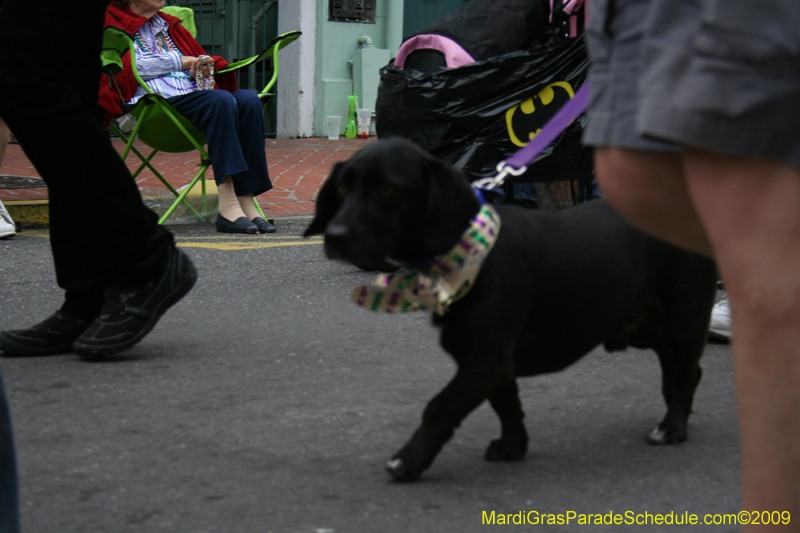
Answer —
159 61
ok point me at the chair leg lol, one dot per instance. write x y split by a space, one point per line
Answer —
258 208
146 113
182 198
129 147
146 161
203 192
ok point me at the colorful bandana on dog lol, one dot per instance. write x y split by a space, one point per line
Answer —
445 280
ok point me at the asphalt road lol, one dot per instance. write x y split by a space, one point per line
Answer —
266 401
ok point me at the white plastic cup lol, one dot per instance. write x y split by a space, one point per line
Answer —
334 124
364 119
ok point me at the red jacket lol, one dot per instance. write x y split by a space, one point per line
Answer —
110 98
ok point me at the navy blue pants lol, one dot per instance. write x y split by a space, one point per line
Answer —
233 124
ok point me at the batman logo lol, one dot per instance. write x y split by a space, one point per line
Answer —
526 120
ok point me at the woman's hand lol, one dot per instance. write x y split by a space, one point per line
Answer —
191 64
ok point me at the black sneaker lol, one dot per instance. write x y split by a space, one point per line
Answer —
53 336
128 315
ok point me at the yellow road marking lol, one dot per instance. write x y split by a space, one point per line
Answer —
244 245
34 233
220 242
254 236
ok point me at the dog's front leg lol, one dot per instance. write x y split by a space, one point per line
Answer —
513 442
468 389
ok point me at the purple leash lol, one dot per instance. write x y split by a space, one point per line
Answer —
517 164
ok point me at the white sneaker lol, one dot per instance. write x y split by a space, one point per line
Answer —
7 227
720 328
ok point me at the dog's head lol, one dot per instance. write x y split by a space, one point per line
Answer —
392 202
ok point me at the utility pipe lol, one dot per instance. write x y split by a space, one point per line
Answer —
394 25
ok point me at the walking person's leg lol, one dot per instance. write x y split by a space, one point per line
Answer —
751 210
102 236
649 189
9 490
742 210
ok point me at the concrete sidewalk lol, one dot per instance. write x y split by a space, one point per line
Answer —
298 167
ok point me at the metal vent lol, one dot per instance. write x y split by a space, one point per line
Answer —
352 10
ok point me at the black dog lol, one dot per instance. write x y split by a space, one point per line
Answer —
555 286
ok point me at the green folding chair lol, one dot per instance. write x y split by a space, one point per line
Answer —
160 126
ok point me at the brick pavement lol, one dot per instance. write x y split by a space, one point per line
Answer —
298 167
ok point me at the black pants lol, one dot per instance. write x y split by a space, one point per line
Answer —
101 233
9 491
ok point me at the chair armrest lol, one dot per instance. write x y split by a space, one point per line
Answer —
115 44
277 44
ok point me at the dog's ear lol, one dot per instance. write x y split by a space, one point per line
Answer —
451 206
327 203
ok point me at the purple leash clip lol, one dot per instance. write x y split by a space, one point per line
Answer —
517 164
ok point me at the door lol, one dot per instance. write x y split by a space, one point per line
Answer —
420 13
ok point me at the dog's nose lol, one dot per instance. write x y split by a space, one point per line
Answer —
336 241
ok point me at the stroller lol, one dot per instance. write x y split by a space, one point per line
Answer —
479 83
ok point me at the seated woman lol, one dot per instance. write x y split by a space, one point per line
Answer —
231 119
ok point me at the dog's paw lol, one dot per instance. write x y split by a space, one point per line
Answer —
661 436
401 471
506 450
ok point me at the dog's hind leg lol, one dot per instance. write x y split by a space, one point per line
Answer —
467 390
679 339
681 373
513 442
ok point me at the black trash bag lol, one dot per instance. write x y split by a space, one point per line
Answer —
476 115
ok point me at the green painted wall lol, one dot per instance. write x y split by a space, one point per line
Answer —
420 13
337 48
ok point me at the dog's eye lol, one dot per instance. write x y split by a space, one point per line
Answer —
342 189
385 190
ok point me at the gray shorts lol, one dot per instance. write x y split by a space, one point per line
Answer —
721 75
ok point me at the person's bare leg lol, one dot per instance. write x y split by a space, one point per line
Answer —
751 210
648 189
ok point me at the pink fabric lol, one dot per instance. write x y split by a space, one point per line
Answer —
570 7
454 55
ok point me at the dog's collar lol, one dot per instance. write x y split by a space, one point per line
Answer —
446 279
